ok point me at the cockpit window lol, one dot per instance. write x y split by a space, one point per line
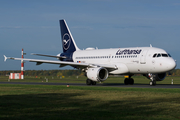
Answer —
169 55
164 55
159 55
154 55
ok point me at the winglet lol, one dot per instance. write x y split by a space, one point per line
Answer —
5 58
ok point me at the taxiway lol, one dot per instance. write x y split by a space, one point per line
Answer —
98 85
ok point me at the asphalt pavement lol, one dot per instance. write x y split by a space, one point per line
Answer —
99 84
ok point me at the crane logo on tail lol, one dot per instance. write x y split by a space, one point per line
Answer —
66 41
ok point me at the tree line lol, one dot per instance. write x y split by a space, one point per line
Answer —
44 72
175 72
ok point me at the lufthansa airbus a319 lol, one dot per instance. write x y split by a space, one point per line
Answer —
99 63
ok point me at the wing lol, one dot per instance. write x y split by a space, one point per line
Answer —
63 63
49 55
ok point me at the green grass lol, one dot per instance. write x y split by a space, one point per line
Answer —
106 103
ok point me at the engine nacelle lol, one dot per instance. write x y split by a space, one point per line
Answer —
97 74
157 77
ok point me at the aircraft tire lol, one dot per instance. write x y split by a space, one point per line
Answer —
88 82
93 82
131 81
126 81
151 83
154 82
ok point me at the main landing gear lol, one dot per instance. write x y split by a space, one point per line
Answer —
129 81
153 80
90 82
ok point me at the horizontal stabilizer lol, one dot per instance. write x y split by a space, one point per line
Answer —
5 58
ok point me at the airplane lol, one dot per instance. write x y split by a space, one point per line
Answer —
98 64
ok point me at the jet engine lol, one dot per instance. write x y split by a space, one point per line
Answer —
97 74
157 77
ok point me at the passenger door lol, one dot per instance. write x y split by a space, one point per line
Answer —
143 57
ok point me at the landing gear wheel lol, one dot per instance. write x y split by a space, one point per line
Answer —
131 81
152 83
88 82
126 81
93 82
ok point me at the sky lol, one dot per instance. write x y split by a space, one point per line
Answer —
34 26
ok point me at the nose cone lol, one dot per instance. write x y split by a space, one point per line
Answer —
171 64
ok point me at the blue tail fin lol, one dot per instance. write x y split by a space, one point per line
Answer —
68 42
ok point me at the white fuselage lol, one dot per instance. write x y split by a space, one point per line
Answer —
128 60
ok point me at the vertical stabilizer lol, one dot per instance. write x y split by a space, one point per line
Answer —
68 42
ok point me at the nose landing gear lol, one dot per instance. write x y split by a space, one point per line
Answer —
152 78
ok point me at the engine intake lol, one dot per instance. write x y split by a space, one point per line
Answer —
97 74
